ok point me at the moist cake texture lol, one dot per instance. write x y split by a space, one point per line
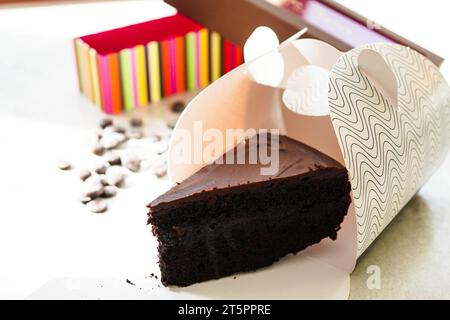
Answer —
229 218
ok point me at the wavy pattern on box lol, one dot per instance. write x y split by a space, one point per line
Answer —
390 151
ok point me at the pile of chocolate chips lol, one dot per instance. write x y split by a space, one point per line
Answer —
105 179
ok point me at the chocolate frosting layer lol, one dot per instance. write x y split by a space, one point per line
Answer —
295 158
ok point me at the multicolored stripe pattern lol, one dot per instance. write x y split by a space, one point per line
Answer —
138 76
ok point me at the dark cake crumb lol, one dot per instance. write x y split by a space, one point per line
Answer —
84 174
130 283
153 276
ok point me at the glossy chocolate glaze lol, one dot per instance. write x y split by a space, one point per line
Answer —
295 159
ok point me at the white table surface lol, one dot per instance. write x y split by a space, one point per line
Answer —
43 118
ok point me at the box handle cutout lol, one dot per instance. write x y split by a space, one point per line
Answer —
373 66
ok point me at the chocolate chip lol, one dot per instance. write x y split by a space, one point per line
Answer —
106 122
97 206
64 165
107 130
135 134
103 180
84 174
92 187
154 137
160 147
119 129
136 122
112 140
84 199
99 135
98 149
178 231
115 176
131 162
178 106
133 165
171 124
101 167
113 159
108 192
160 171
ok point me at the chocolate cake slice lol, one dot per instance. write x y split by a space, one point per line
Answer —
229 218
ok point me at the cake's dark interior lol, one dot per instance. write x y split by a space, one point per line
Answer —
228 218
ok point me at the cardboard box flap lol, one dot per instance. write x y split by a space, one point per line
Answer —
326 20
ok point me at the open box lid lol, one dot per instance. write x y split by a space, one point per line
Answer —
390 107
382 110
231 19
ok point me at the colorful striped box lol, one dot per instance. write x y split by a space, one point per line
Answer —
127 68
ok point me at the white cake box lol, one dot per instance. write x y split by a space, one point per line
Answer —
382 110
